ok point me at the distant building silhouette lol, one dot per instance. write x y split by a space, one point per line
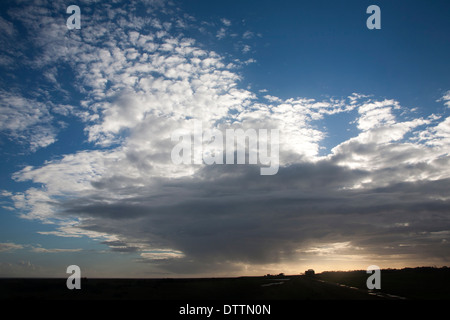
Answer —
309 272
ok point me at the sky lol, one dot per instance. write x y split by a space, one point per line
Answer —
87 118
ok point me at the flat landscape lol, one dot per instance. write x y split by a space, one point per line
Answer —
404 284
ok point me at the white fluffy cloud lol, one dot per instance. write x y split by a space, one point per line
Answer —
27 121
446 99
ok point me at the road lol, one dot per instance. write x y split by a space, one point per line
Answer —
310 288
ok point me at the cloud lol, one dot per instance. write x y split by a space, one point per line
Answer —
246 49
256 221
7 27
20 268
226 22
272 98
44 250
248 35
376 114
8 246
8 46
161 255
446 99
221 33
381 192
27 121
120 246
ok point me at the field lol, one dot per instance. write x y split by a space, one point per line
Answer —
418 283
411 283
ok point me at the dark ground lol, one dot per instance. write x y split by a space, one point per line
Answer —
425 283
417 283
297 288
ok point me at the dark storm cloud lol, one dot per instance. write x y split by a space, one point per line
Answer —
233 214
